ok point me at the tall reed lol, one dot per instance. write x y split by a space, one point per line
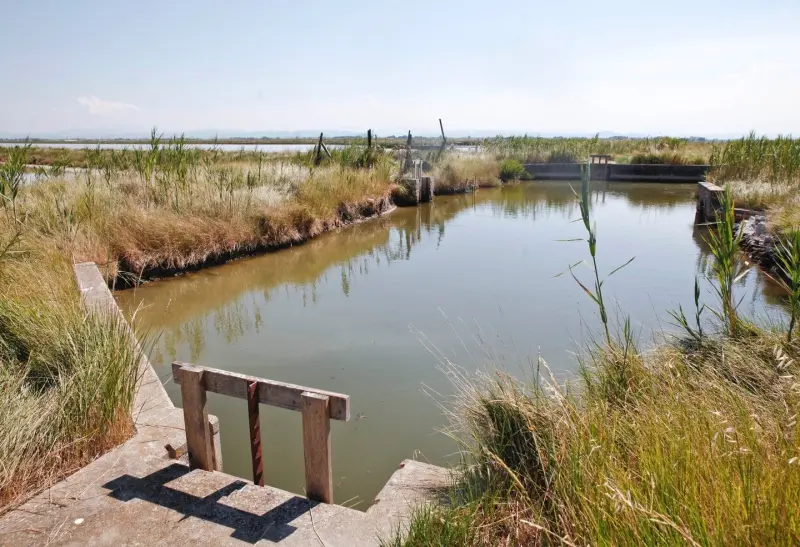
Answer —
12 176
591 229
728 267
788 255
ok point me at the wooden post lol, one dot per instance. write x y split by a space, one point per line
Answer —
318 158
317 447
369 138
325 148
199 437
255 433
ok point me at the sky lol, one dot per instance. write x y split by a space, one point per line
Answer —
702 67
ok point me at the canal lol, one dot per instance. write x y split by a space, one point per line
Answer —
373 311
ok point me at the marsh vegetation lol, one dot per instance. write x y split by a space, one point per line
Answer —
692 442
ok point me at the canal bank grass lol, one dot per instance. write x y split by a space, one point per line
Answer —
175 213
669 150
694 442
763 173
66 381
455 173
673 447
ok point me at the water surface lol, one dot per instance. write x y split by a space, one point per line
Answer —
202 146
363 311
296 147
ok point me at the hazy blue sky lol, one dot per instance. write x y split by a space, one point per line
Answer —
672 66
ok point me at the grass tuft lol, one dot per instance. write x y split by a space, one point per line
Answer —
66 381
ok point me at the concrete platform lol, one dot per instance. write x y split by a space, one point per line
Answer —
113 502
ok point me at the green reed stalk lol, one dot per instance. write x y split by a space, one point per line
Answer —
724 242
12 175
597 294
788 253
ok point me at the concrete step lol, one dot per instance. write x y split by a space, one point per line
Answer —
142 500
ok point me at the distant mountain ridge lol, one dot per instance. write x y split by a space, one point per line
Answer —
111 134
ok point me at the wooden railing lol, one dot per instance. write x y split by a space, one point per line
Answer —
318 408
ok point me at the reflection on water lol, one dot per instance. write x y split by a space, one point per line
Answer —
346 312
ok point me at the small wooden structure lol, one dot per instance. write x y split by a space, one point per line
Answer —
600 158
318 408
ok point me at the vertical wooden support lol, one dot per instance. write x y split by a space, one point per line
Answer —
369 138
318 157
325 149
199 437
255 433
317 446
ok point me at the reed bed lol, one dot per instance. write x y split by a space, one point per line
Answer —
764 174
455 172
567 150
168 207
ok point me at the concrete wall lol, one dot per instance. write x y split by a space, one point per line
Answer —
619 172
657 173
554 171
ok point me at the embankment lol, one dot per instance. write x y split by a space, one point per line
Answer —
270 241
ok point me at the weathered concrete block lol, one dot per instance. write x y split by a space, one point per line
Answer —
426 189
708 202
407 192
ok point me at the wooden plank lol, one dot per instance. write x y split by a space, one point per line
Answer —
270 392
255 434
317 447
199 439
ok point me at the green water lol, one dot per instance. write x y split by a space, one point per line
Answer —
373 310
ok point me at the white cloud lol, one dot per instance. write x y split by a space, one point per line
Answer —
99 107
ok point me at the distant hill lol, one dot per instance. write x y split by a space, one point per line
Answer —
111 134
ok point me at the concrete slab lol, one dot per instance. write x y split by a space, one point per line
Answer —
413 484
173 505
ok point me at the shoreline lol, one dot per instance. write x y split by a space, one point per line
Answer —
370 209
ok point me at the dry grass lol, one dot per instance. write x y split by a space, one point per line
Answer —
172 221
677 447
460 172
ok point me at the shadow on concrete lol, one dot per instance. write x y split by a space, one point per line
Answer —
250 527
